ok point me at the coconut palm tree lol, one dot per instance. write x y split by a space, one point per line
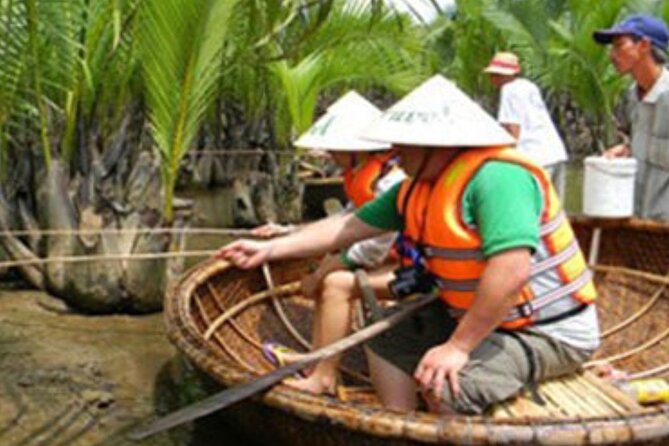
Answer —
13 54
284 59
581 68
281 65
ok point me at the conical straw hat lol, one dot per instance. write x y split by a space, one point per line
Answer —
437 113
339 128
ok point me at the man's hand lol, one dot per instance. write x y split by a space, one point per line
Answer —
619 151
272 230
246 254
440 363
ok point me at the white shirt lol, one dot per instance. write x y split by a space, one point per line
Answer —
580 331
521 104
372 252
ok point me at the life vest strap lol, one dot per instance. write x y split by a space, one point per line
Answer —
453 254
552 225
531 307
456 285
561 316
477 254
470 285
555 260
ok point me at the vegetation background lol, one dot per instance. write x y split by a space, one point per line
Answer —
179 75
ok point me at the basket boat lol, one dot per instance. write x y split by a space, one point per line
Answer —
218 316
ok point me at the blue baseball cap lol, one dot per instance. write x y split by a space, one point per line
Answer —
640 25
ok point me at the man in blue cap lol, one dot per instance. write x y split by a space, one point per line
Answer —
638 48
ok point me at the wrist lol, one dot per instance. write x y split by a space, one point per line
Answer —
271 248
460 345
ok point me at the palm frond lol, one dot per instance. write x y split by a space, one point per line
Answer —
181 46
300 84
357 47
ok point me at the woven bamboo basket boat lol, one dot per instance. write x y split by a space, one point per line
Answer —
218 316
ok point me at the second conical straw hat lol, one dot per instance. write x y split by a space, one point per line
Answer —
437 113
340 127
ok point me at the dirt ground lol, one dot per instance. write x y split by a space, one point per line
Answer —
69 379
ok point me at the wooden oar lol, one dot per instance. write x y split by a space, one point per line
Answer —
230 396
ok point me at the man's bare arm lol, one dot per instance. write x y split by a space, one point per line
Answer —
505 275
314 239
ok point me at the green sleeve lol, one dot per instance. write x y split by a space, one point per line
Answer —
382 211
346 260
504 202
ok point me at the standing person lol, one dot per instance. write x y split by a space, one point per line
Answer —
523 113
484 224
370 168
638 48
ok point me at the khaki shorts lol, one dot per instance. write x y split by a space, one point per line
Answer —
497 369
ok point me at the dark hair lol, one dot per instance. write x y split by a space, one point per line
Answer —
659 55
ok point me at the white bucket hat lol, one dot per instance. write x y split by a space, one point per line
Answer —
437 113
339 128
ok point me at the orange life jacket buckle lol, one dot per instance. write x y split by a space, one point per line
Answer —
525 310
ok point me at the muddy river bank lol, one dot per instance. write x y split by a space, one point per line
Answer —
74 379
69 379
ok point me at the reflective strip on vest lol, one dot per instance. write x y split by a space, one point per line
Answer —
455 254
538 302
477 254
542 302
456 285
555 260
552 225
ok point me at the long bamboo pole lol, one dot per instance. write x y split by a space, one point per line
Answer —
106 257
120 231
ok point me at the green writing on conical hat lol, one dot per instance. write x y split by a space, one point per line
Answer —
321 127
340 127
438 113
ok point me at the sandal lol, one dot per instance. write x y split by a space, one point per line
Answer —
276 354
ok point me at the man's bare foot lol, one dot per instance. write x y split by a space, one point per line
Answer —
314 384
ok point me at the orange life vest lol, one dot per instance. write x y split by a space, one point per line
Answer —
359 181
560 282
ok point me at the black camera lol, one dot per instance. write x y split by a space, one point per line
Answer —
410 280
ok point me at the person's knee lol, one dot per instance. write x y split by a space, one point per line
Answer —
468 401
478 391
339 282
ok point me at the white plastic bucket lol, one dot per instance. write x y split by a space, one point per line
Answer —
608 186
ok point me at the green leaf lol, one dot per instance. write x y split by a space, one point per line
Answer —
181 47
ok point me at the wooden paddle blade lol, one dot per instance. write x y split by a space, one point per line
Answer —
233 395
221 400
